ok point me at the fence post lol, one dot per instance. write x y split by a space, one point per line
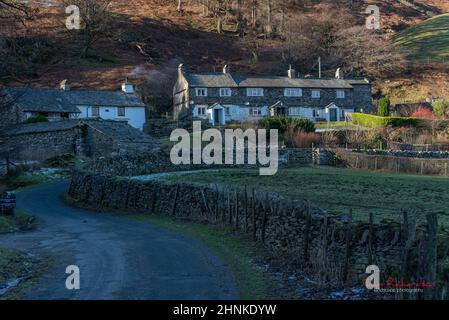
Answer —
348 245
371 239
432 244
307 233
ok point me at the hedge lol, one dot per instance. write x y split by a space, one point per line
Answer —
368 120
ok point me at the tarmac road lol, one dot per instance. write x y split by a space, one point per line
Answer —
118 258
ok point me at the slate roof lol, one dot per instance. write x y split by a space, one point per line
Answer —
42 127
211 80
58 100
121 131
220 80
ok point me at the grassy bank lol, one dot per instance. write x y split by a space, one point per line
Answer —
339 190
20 221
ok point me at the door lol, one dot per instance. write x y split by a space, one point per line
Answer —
333 116
217 120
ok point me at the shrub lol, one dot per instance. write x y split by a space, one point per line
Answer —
277 122
383 107
303 124
423 113
302 139
441 108
374 139
368 120
36 119
282 124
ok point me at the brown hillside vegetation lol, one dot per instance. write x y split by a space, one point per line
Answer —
150 34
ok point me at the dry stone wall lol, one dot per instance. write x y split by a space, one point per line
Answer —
335 246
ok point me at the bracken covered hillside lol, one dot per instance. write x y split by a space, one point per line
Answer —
152 35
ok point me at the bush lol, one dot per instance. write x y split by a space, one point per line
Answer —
302 139
383 107
368 120
441 108
282 124
36 119
423 113
374 140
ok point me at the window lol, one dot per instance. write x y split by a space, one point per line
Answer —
254 92
343 114
121 111
201 111
95 111
340 94
201 92
293 92
315 113
225 92
316 94
255 111
227 111
295 111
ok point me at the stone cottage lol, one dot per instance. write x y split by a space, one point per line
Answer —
65 103
220 97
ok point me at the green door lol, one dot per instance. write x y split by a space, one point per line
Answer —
333 115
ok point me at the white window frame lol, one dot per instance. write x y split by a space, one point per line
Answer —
254 92
201 92
255 111
315 113
225 92
341 94
201 111
315 95
293 92
294 111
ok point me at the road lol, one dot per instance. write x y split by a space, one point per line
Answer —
119 258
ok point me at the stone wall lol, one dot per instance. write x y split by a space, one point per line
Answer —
391 163
159 161
42 145
334 246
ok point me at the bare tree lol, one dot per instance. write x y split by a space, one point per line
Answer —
95 21
15 10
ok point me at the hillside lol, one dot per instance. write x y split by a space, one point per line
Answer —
170 37
428 41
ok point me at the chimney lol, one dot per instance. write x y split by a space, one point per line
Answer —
127 87
339 74
64 85
225 69
291 73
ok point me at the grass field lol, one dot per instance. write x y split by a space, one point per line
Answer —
429 40
339 190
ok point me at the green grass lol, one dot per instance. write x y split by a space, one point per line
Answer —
20 221
339 190
236 251
427 41
17 265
